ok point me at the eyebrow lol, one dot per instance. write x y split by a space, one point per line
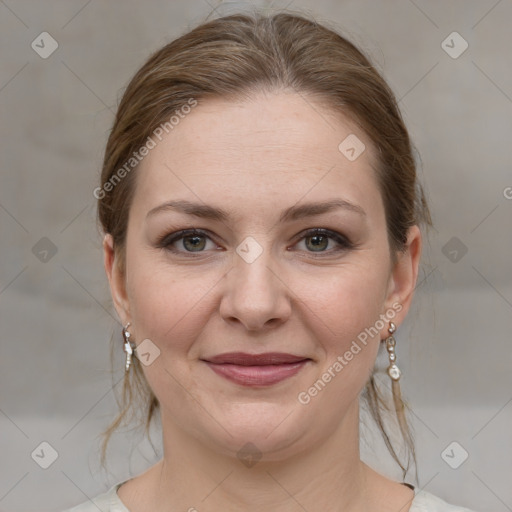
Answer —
293 213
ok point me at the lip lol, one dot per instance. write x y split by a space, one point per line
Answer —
244 359
256 369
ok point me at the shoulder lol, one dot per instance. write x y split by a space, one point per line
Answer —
109 502
425 502
105 502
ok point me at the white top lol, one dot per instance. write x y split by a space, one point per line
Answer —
109 502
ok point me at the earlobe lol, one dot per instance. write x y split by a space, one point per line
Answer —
116 279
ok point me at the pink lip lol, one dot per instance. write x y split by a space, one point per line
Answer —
256 369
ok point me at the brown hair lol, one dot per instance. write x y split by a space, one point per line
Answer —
232 57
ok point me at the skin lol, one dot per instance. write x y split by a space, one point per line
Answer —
255 159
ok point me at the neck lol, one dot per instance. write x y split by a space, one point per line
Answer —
330 476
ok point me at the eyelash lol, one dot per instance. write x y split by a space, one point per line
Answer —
167 240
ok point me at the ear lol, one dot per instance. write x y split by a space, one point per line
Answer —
116 280
402 280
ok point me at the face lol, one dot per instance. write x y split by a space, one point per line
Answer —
259 279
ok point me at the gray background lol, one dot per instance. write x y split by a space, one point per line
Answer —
56 317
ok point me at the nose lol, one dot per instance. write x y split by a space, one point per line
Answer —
255 293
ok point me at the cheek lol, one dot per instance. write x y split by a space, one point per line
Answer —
167 307
349 300
343 314
170 311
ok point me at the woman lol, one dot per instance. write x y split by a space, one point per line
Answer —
262 240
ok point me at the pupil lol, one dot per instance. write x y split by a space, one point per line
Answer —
316 238
197 240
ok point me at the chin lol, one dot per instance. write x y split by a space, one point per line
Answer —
257 430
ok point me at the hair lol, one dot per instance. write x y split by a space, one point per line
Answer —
233 57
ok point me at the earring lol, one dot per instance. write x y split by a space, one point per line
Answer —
392 370
129 346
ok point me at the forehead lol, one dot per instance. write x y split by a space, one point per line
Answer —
274 148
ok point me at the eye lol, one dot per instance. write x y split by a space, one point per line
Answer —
318 240
193 240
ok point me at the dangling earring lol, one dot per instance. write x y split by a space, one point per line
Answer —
392 370
129 346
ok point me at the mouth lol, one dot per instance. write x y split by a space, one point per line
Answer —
256 369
